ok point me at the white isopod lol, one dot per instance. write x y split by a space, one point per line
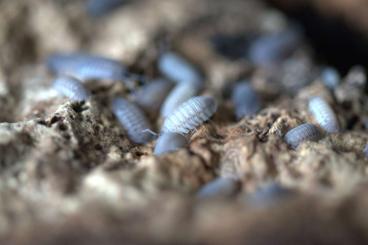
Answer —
302 133
71 88
181 93
169 142
177 68
133 120
190 115
323 114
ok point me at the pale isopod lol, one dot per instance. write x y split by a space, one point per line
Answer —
169 142
302 133
133 120
219 187
151 96
181 93
330 77
87 67
71 88
271 49
270 193
323 114
190 115
245 100
177 68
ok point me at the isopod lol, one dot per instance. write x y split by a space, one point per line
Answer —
269 50
270 193
133 120
302 133
245 100
190 115
87 67
151 96
177 68
99 8
365 150
219 187
71 88
181 93
169 142
323 114
330 77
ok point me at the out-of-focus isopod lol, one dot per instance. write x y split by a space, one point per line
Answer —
245 100
151 96
133 121
181 93
86 66
99 8
219 187
169 142
71 88
177 68
365 150
330 77
323 114
268 194
269 50
302 133
190 115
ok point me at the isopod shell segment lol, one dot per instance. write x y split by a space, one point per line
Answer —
169 142
323 114
98 8
245 99
219 187
177 68
133 121
151 96
302 133
190 115
86 66
71 88
181 93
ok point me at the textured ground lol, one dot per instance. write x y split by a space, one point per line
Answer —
69 175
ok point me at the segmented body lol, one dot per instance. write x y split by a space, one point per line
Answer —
245 100
177 68
219 187
270 193
323 114
169 142
133 120
181 93
151 96
330 77
86 66
71 88
302 133
99 8
190 115
270 49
